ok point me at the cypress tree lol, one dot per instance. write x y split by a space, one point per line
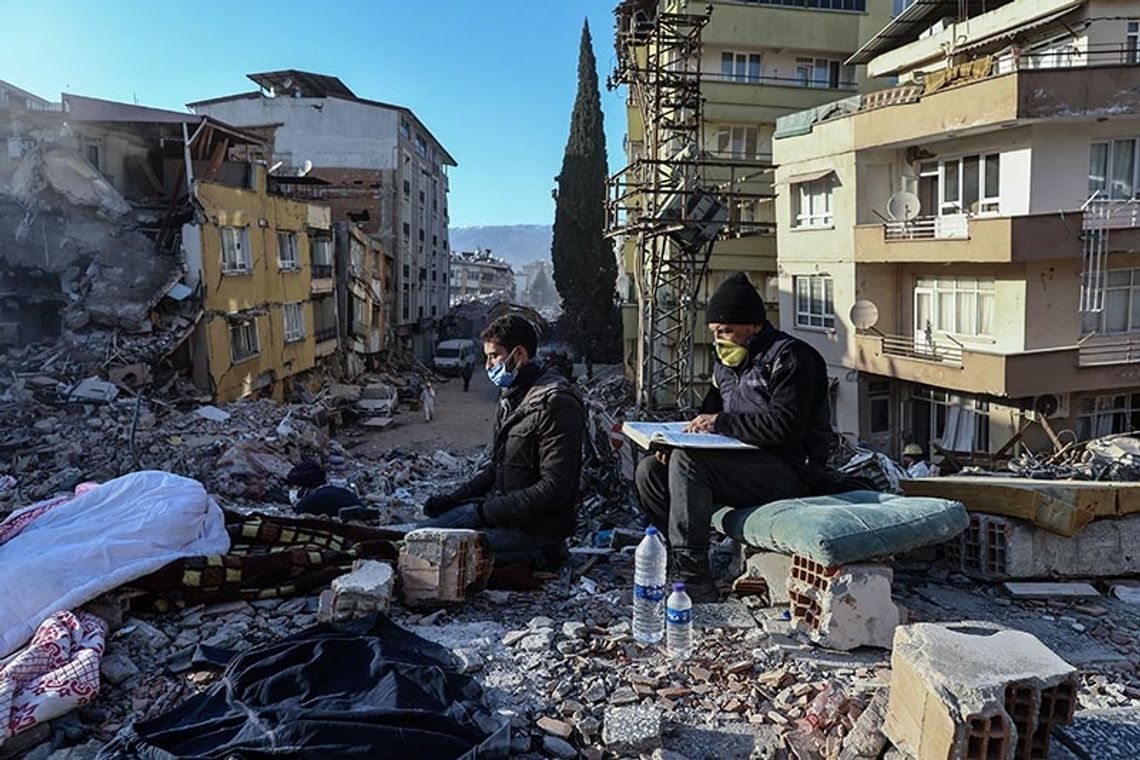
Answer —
585 270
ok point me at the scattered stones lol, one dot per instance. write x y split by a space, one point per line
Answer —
554 727
558 747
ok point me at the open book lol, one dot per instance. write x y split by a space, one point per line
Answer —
656 435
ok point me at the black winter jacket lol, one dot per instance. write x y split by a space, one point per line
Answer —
777 400
531 482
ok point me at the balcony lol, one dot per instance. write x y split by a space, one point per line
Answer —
953 366
748 99
967 239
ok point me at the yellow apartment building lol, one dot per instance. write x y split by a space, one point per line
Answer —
265 267
964 247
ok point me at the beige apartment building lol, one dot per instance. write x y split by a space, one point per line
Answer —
964 247
758 61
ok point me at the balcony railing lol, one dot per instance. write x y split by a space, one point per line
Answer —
322 271
922 349
1122 349
324 333
951 227
807 83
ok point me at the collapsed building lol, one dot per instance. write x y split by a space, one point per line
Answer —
160 242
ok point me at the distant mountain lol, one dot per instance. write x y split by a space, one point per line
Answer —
517 243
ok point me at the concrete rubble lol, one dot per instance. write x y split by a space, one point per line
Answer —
560 662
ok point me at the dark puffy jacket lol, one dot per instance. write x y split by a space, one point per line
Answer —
531 482
777 400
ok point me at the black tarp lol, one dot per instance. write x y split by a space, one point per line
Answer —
372 690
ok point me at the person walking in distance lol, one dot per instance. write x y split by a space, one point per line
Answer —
468 370
427 401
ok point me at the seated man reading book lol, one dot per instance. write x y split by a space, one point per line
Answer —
770 391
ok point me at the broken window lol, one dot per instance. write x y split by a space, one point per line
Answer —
93 151
287 256
294 322
814 302
953 422
243 338
811 203
236 256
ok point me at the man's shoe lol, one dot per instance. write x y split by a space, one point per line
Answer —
691 567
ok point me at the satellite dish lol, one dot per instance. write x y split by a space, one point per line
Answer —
864 315
306 167
903 206
275 167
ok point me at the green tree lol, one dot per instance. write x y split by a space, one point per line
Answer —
585 270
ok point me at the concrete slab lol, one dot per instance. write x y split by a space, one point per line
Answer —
1051 590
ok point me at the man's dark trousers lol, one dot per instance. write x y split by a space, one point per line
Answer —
681 497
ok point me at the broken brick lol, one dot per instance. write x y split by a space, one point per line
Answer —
976 691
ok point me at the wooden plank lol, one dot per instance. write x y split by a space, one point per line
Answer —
216 160
1051 590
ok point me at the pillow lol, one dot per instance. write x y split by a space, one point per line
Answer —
843 528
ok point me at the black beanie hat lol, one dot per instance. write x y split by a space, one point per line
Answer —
736 302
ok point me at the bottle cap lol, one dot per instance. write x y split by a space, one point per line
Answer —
678 586
651 530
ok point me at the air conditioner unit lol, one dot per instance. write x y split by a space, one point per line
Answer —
1050 406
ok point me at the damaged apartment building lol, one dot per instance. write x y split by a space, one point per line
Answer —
964 247
375 164
164 231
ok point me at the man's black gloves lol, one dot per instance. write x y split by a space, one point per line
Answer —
437 505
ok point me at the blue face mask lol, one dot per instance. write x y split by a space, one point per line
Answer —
500 375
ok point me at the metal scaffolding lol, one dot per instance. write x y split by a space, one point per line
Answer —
674 199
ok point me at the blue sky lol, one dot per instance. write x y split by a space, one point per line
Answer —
494 81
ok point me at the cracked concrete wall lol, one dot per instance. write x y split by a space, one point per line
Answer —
262 291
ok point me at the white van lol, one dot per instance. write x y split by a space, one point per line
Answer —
452 355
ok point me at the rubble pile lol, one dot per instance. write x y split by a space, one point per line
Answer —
1114 457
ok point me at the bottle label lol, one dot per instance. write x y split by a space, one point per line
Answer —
678 617
649 593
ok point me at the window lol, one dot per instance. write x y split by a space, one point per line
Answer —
356 256
407 229
954 305
243 338
407 189
824 73
405 128
406 305
954 422
287 257
738 142
322 251
879 400
811 203
235 250
1121 312
969 184
1104 415
421 145
1112 169
93 151
814 305
740 67
294 322
1132 43
900 6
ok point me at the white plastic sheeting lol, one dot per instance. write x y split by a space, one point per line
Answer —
105 537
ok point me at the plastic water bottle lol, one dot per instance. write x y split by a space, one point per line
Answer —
649 588
679 624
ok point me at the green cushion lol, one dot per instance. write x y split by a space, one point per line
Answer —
845 528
